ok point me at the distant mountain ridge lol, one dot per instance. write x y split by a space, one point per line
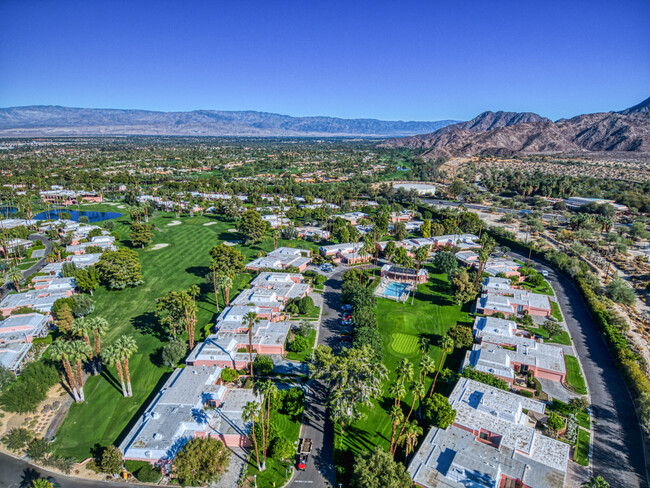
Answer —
49 120
510 133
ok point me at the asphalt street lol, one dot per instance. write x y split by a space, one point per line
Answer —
320 470
618 453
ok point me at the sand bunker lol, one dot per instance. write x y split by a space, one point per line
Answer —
231 243
232 230
209 223
155 247
175 222
121 206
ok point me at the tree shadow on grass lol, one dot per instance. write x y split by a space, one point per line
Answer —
156 358
148 323
199 271
108 376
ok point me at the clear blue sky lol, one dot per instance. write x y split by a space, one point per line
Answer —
408 60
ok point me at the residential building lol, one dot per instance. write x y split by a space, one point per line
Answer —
398 273
105 243
492 443
15 244
313 233
23 328
499 296
352 217
346 253
69 197
282 258
190 404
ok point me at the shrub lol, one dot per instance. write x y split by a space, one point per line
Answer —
173 352
263 365
111 461
305 305
61 463
30 389
83 305
38 449
487 378
526 393
229 375
293 402
282 448
299 344
17 438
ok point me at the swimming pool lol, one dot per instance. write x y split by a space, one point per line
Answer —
395 289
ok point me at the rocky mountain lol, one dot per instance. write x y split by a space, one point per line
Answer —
642 107
40 120
511 134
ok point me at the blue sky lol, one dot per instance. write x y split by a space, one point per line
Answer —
417 60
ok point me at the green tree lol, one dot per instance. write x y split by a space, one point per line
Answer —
595 482
227 260
141 234
461 335
42 483
411 434
64 318
250 414
119 269
400 231
462 288
17 438
79 352
555 422
378 469
445 262
354 379
87 279
38 449
447 346
249 320
112 356
619 291
552 327
111 461
390 249
173 352
282 448
438 411
125 348
61 351
425 229
15 276
201 461
83 305
252 227
263 365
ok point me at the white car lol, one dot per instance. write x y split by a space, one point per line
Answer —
544 273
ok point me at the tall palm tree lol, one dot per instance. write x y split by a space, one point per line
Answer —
276 236
266 390
211 277
421 255
397 391
15 275
404 371
82 328
418 392
111 356
397 417
248 414
60 351
100 327
126 347
249 321
447 346
79 351
413 431
225 283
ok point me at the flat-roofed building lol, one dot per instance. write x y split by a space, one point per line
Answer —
282 258
492 443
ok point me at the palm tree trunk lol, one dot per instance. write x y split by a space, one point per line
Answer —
392 438
435 378
216 290
250 347
128 376
71 382
268 426
257 454
80 387
121 375
98 361
227 290
415 399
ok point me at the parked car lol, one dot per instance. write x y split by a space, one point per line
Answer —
544 273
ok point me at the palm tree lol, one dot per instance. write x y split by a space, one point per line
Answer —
266 390
413 431
595 482
249 413
418 392
447 346
99 328
42 483
397 417
276 236
60 351
111 356
83 328
79 351
211 277
15 275
249 320
397 391
225 283
126 347
404 371
421 255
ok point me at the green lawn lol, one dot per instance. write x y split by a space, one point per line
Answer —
583 420
581 452
574 375
276 470
432 315
106 414
306 354
544 288
555 312
561 338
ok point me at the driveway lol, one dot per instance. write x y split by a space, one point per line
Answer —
320 471
618 451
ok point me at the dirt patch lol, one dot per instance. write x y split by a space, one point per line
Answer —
155 247
174 222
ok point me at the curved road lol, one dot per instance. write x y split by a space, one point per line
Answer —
618 451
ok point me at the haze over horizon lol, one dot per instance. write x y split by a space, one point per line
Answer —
416 61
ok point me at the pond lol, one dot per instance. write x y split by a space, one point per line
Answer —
76 214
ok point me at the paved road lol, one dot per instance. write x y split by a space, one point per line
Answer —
320 471
17 473
7 287
618 453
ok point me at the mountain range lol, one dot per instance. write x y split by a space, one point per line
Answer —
48 120
510 133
